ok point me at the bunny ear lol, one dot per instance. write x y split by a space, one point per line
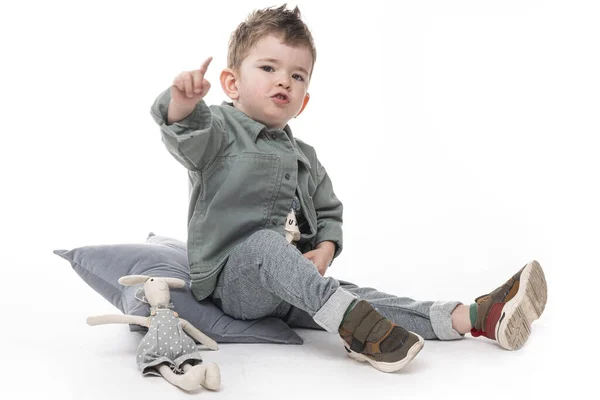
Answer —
174 282
130 280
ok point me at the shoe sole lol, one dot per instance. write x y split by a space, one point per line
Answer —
389 367
514 326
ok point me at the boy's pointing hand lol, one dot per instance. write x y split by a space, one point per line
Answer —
189 87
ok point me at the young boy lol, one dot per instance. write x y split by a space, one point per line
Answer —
264 223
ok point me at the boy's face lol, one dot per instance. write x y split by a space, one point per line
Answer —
273 81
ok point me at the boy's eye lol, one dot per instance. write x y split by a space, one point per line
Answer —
267 68
298 77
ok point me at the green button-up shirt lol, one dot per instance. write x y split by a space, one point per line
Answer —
242 178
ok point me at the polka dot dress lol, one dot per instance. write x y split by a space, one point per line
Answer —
166 343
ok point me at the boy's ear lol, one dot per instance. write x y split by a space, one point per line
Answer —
304 103
229 83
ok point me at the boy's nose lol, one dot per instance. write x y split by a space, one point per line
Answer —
284 82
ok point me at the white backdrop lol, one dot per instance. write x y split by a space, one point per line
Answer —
461 137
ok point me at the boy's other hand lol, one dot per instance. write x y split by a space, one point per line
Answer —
321 257
189 87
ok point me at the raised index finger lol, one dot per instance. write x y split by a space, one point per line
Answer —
204 66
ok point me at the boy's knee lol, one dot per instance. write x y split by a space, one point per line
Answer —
261 246
266 238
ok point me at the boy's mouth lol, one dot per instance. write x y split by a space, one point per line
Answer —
280 98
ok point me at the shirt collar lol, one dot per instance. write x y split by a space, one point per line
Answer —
251 126
254 128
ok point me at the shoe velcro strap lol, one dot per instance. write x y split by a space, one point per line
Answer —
357 346
361 333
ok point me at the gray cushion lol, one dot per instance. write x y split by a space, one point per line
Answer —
101 266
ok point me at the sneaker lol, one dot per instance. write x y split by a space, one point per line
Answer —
506 314
369 336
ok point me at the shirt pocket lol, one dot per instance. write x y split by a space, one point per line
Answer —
238 193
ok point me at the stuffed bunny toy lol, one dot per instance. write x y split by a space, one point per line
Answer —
166 349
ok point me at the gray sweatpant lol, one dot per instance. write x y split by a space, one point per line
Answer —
267 276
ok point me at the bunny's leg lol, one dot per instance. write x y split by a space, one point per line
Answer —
208 376
181 381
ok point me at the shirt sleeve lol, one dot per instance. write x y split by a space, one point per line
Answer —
195 140
329 211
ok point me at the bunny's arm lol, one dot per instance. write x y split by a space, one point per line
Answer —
199 336
117 319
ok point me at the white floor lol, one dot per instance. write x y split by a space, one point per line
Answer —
59 356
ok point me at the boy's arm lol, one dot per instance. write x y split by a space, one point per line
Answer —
329 213
196 139
191 132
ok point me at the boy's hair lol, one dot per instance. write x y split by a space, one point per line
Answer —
260 23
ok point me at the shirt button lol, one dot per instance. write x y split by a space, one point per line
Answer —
287 176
